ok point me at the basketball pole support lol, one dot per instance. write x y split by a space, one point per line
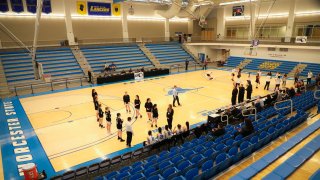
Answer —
36 33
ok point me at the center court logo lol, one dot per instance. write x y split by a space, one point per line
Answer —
182 90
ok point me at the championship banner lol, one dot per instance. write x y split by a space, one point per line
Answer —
81 7
116 10
138 76
99 9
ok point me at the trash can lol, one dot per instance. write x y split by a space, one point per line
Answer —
30 171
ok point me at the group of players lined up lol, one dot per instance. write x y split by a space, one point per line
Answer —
151 109
239 90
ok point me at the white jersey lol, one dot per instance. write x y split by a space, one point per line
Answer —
310 74
238 81
268 78
278 80
260 73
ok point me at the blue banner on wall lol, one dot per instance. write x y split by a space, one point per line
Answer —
46 7
17 6
32 6
99 9
4 6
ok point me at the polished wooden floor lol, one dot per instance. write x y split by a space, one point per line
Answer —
66 125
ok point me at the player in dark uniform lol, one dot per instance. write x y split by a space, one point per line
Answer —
108 119
100 116
137 104
155 115
94 93
148 105
119 127
96 106
257 80
126 100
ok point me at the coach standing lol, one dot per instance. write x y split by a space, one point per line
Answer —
129 131
175 96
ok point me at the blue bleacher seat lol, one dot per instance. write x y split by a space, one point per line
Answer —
192 173
316 175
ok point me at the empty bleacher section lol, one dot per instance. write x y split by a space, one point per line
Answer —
264 64
124 57
169 53
17 66
281 66
59 62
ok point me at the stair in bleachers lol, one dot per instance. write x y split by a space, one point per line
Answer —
299 67
169 53
17 66
124 57
244 63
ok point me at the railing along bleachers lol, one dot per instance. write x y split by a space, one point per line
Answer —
206 156
169 53
17 66
124 57
59 62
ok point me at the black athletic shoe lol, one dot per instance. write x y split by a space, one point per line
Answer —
151 125
156 126
121 140
140 116
136 117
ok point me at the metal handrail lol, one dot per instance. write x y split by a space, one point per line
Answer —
315 94
225 120
255 113
291 105
33 86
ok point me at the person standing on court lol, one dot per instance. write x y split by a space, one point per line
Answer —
148 105
187 64
170 113
129 131
137 104
90 76
126 101
175 96
234 95
155 115
268 79
310 75
205 62
249 89
241 94
96 106
100 116
278 82
119 127
94 93
296 76
108 119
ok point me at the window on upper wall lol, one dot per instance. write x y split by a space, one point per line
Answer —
309 30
